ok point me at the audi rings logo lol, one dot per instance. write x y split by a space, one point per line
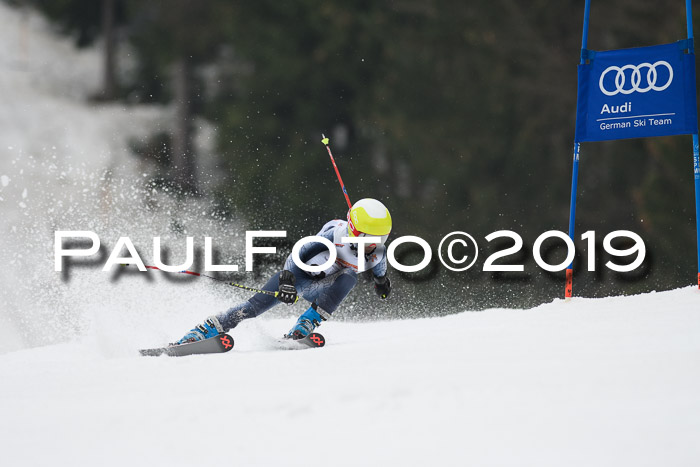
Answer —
636 78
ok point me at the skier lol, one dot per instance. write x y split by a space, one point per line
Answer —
325 289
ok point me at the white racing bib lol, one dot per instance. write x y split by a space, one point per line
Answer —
346 254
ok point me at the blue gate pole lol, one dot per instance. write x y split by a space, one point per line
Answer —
696 169
574 174
696 149
572 220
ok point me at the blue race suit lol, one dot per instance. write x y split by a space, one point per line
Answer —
327 288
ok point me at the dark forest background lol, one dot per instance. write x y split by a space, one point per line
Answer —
459 115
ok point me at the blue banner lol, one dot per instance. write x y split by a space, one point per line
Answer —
636 93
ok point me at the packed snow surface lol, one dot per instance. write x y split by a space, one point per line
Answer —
604 382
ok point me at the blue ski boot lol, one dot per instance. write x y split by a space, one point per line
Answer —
210 328
307 323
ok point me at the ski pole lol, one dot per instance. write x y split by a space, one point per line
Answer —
244 287
337 172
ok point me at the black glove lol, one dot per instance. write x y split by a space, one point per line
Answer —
382 285
287 292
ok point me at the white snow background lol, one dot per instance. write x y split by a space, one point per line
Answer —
591 382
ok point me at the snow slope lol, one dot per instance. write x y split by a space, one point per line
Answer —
66 164
603 382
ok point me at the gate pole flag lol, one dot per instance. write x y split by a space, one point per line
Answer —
636 93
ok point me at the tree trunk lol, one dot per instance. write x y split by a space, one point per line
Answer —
108 32
183 164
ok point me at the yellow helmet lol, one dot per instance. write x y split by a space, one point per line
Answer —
369 217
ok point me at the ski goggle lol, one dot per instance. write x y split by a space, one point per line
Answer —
357 233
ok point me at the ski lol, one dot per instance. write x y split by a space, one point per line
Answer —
313 340
219 344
